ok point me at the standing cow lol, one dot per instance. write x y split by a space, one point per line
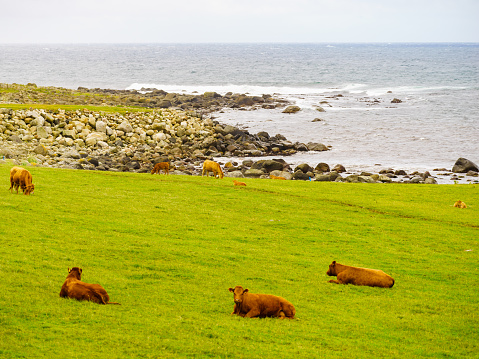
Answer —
212 166
359 276
251 305
21 178
76 289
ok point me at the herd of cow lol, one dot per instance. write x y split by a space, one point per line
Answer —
246 304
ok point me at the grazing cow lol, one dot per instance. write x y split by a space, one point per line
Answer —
238 183
277 177
460 204
359 276
20 177
251 305
211 166
161 166
76 289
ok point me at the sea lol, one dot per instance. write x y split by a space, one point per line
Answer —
345 92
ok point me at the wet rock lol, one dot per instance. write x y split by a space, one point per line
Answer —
304 167
300 175
253 173
291 109
339 168
312 146
322 167
463 165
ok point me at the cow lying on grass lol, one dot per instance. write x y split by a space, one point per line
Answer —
251 305
359 276
238 183
76 289
20 177
460 204
277 177
212 166
161 166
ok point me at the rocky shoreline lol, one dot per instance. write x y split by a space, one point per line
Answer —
176 130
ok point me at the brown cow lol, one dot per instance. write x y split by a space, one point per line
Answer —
76 289
251 305
20 177
359 276
460 204
161 166
277 177
238 183
212 166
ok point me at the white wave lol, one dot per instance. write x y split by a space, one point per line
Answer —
351 88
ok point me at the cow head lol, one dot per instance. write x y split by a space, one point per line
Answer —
29 189
332 269
238 292
75 272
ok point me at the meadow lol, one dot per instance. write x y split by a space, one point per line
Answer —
169 247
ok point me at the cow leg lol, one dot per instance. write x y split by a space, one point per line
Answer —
335 281
253 313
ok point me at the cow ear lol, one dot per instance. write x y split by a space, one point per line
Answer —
69 270
334 263
231 290
246 290
81 270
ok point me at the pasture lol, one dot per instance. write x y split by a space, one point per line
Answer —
169 247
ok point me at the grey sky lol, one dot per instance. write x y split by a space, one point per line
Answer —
158 21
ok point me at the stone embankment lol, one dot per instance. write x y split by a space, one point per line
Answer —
85 139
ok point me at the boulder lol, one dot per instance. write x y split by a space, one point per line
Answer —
291 109
15 138
384 178
312 146
300 147
254 173
322 167
40 150
125 127
42 132
284 174
304 167
339 168
235 174
300 175
100 126
268 165
463 165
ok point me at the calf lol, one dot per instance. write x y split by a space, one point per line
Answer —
277 177
251 305
460 204
359 276
238 183
161 166
76 289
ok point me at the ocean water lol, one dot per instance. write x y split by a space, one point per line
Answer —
436 123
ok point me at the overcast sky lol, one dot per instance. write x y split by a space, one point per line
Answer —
191 21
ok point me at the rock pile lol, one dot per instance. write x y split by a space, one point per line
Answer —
129 142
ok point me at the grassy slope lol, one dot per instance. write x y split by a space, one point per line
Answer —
168 248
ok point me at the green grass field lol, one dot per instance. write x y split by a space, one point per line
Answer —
169 247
